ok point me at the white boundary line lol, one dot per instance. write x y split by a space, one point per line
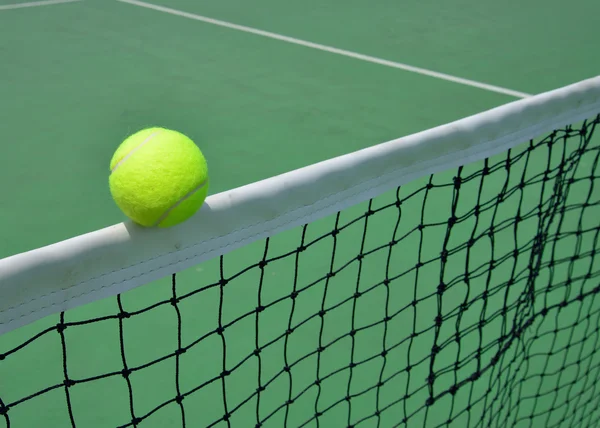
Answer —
35 4
330 49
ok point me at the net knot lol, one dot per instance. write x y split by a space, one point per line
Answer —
457 182
444 256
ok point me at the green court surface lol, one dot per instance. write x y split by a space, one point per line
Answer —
77 78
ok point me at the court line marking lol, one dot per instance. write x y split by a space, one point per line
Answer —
367 58
35 4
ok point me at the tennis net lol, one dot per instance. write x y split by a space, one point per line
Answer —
448 278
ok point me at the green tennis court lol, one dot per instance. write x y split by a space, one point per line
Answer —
79 77
263 88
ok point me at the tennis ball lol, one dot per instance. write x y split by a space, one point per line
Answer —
159 177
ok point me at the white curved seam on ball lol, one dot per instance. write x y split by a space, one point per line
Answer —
179 202
142 144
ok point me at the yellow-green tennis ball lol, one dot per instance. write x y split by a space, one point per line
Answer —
159 177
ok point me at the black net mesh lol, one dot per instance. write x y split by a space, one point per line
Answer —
468 298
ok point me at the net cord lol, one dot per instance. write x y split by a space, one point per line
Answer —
118 258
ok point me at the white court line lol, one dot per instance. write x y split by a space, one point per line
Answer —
34 4
330 49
